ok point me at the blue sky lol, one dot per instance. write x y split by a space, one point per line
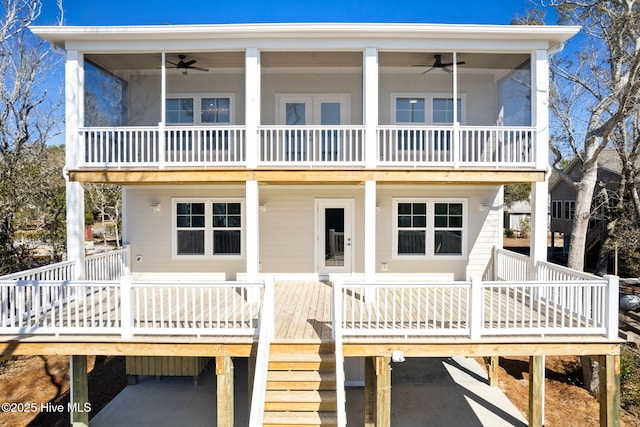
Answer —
145 12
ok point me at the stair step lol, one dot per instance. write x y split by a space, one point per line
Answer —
283 418
301 380
302 362
299 400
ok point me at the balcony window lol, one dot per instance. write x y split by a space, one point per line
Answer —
410 110
428 228
208 228
199 109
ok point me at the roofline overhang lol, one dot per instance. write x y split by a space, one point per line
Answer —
551 36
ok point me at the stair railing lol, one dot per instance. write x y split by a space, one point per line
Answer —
267 319
337 337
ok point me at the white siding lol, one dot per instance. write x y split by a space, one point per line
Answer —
149 234
287 228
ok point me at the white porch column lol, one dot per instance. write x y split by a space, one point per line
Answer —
370 105
74 115
540 190
252 230
370 211
539 202
539 106
252 105
163 112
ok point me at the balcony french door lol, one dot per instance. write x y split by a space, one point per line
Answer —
313 110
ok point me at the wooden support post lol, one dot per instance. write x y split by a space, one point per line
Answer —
369 392
224 373
610 391
492 363
251 374
383 391
536 384
377 392
79 408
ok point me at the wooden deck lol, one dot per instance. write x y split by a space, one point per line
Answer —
303 311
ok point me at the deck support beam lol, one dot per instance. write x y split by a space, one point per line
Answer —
492 363
377 392
225 391
536 391
79 409
610 391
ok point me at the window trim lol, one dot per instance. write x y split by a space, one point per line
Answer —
208 228
428 108
429 229
197 107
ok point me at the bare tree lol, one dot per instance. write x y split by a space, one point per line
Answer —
596 90
29 116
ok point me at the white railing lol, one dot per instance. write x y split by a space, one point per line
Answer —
500 145
478 308
191 308
311 145
128 308
341 398
134 146
119 146
510 266
489 146
204 145
54 307
59 271
267 331
110 265
404 309
545 308
548 271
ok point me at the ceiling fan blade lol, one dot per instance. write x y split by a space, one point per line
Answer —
172 63
198 68
428 70
189 63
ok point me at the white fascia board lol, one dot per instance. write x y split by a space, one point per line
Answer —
408 45
253 34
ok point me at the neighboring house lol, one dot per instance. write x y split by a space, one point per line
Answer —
517 216
360 167
563 202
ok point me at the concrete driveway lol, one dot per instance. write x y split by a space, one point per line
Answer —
425 392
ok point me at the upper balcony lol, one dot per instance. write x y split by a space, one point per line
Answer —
309 109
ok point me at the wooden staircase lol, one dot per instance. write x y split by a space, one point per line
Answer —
301 386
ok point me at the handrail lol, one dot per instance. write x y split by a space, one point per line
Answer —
337 337
267 319
58 271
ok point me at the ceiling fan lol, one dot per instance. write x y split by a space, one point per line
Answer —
186 65
439 64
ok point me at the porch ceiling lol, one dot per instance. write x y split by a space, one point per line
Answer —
306 176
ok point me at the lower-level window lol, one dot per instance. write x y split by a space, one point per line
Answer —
429 228
207 227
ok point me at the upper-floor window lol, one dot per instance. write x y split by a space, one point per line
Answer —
199 109
410 110
556 209
426 109
569 209
429 228
442 110
208 227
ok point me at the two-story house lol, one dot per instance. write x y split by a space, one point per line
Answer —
306 194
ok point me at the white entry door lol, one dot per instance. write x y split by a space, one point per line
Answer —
334 235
